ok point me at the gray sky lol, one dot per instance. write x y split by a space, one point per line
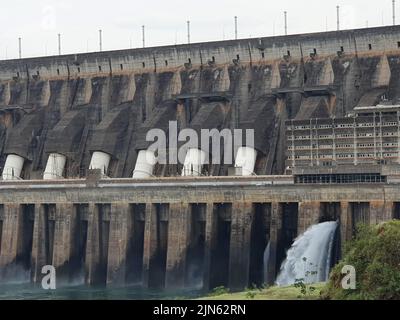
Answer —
38 22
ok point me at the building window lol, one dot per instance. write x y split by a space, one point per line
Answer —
121 66
370 46
99 68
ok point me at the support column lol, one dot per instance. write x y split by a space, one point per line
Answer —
309 213
12 225
150 241
209 245
345 222
380 211
92 260
389 211
178 240
64 232
275 235
239 262
120 227
39 244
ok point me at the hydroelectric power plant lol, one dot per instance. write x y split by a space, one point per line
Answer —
81 189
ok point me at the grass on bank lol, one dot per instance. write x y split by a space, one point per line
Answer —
309 292
373 255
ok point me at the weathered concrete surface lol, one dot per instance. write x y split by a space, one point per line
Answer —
178 241
229 205
121 94
64 238
210 239
10 233
275 234
78 100
309 213
239 263
120 227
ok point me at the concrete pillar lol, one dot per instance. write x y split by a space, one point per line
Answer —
210 239
38 244
178 241
345 222
120 227
309 213
92 260
64 233
275 235
388 211
150 241
380 211
12 224
239 256
84 92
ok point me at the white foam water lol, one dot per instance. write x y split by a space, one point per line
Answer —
309 258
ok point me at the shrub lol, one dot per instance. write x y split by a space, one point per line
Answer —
375 255
218 291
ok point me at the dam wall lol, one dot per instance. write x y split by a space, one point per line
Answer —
157 59
104 227
77 100
173 232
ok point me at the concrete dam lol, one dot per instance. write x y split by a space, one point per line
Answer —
78 193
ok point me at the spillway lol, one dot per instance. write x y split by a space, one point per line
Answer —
13 167
285 101
246 159
100 160
194 161
55 167
144 165
309 258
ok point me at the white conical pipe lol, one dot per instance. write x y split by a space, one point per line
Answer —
13 167
100 160
144 165
194 161
246 159
54 167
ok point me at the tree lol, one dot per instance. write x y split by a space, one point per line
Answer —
375 255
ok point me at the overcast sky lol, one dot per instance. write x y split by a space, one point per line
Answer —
38 22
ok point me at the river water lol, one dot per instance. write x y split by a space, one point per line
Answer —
22 291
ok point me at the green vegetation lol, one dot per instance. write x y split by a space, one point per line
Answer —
375 255
271 293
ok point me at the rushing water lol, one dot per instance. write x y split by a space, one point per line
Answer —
266 261
309 258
